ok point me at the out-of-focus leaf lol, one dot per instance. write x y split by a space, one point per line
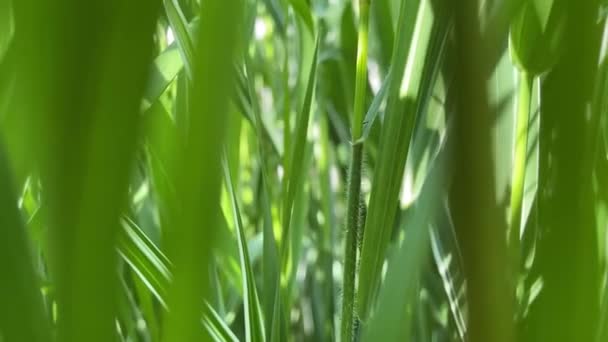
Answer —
304 12
22 314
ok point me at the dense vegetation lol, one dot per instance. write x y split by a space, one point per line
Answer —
303 170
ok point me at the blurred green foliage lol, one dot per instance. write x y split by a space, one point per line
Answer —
303 170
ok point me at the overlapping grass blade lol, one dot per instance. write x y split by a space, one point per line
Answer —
154 270
150 264
164 70
182 36
450 286
393 319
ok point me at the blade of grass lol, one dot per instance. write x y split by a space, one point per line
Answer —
163 71
382 21
7 26
216 325
393 319
180 28
520 158
154 269
254 326
374 108
304 12
198 179
85 130
396 133
167 66
271 266
328 231
295 158
22 314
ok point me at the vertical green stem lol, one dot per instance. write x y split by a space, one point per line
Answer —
350 246
361 76
519 163
354 179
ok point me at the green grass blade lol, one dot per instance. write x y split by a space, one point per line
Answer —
198 179
154 269
85 123
450 285
271 264
254 327
22 313
163 71
361 70
180 28
303 10
382 20
374 108
7 26
394 144
148 262
393 319
216 325
294 181
519 167
324 163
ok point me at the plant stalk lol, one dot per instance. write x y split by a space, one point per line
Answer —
354 180
350 246
361 72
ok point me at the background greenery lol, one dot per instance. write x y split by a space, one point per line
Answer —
303 170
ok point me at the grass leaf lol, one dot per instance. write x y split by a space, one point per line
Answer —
254 326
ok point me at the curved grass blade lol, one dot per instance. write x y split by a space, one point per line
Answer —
449 281
184 39
150 264
153 269
163 71
304 12
254 327
216 325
